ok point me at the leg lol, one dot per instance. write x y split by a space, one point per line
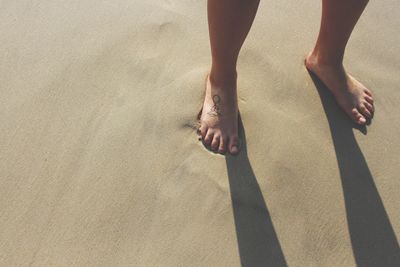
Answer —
326 60
229 23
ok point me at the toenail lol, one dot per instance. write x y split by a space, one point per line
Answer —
234 149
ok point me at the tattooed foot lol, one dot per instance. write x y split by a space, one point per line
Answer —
219 118
215 109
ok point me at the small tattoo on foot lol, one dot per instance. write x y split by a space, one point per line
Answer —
215 110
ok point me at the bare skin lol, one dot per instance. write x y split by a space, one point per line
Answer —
326 60
219 118
351 95
229 23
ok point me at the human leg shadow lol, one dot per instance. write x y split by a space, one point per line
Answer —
372 237
257 240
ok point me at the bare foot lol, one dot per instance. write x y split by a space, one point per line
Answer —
219 118
351 95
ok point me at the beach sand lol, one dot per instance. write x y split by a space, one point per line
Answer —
100 164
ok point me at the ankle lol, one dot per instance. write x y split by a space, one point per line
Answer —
223 77
322 58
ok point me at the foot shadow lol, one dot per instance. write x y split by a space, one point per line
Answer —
373 240
257 240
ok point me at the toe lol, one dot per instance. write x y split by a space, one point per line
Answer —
368 92
208 138
222 144
365 111
234 145
370 107
369 99
202 131
215 142
357 117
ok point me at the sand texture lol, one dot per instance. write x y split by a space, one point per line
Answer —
100 163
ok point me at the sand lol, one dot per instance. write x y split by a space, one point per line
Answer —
100 163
